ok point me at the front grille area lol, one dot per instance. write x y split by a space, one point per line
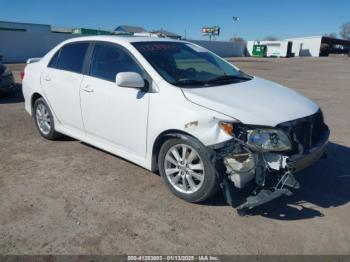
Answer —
305 132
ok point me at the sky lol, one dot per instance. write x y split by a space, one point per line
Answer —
258 19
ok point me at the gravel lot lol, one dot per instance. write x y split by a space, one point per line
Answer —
66 197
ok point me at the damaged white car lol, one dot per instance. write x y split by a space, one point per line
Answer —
175 107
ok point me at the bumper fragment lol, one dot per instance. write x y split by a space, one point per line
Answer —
265 195
299 162
262 197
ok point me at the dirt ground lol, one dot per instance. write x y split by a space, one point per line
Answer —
66 197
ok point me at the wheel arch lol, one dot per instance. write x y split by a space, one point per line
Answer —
35 96
162 138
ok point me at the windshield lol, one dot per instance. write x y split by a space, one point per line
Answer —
188 65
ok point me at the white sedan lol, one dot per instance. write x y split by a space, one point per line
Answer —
175 107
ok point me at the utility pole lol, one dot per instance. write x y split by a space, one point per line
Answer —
235 20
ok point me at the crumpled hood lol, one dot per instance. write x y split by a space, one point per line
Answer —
254 102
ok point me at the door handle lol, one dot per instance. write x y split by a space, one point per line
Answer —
47 78
88 89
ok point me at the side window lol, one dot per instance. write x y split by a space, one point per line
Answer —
72 56
109 60
54 60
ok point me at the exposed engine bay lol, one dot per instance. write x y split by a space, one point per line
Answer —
248 159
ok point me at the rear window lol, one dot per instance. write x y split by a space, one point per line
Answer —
71 57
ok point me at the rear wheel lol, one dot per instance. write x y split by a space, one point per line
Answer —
187 170
44 120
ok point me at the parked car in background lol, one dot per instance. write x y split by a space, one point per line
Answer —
7 82
175 107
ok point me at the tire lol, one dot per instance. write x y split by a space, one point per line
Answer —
203 185
46 116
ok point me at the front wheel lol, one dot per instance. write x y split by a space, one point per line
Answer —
186 169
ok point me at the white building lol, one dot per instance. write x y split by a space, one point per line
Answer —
306 46
300 46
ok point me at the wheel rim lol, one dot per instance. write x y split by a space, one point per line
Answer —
184 168
43 119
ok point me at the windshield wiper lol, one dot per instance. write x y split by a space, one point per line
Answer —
189 82
219 79
226 78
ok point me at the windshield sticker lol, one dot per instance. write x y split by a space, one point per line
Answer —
157 47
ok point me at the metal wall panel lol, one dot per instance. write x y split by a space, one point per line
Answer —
221 48
17 47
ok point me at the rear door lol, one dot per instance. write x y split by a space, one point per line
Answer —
61 83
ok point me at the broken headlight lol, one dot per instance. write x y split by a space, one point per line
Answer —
268 140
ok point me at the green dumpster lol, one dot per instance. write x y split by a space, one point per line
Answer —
87 31
259 50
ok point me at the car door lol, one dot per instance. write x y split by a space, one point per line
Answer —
113 114
61 82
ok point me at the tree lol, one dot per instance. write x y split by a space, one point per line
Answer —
271 38
345 31
331 35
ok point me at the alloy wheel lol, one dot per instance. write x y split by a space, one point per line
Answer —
184 168
43 119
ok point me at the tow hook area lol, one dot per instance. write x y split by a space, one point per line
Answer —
263 195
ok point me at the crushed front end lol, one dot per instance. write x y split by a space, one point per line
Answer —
268 157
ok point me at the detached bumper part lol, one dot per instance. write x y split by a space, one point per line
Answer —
262 197
299 162
267 195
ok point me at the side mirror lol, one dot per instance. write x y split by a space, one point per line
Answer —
129 79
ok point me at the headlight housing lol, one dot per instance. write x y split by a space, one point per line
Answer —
268 140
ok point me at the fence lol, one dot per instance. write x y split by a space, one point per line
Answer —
17 47
221 48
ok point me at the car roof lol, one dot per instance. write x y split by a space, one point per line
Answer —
121 39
